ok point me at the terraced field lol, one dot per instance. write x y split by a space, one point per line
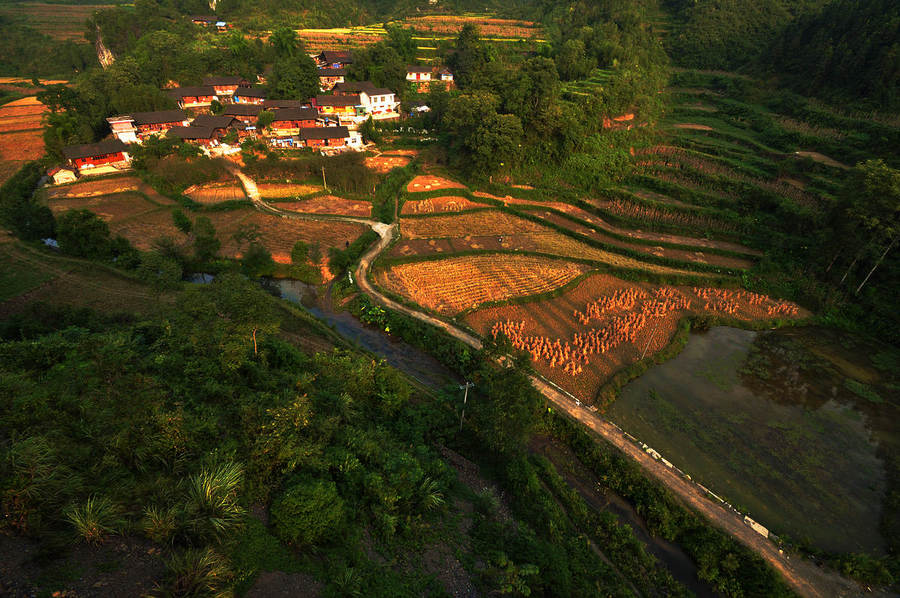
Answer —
60 21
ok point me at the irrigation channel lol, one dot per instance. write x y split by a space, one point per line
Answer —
803 576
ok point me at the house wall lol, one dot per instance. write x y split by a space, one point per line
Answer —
100 160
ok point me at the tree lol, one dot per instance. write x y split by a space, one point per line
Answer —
182 222
470 61
206 244
82 233
294 78
484 139
258 261
573 62
162 273
369 132
382 65
401 40
264 119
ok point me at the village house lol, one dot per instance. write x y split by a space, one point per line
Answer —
203 136
446 76
274 104
226 86
377 102
249 95
62 176
200 96
137 126
246 113
340 106
204 20
220 125
320 137
336 59
289 121
418 74
105 156
329 77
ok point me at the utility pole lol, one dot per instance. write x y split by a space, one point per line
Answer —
465 387
324 183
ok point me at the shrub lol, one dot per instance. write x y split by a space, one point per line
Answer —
83 234
200 572
160 524
308 512
212 508
95 519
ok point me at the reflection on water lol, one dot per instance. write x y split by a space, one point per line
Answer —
766 427
408 359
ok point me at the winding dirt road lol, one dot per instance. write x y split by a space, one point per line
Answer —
804 577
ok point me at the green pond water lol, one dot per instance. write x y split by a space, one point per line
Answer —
795 427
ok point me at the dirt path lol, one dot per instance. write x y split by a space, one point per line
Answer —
804 577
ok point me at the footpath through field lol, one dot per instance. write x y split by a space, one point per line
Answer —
803 576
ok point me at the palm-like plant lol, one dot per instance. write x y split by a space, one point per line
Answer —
96 518
431 496
212 508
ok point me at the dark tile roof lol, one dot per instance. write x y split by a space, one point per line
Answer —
213 122
336 56
243 109
250 92
296 114
324 133
225 80
285 103
158 117
195 91
191 132
338 101
356 87
416 68
327 72
109 146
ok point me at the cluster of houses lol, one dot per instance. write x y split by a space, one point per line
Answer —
328 123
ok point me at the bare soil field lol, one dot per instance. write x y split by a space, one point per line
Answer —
438 204
106 186
427 182
584 336
25 122
280 190
486 222
383 164
212 194
692 127
329 204
464 282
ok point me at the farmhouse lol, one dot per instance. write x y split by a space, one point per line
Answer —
219 124
249 95
204 20
418 74
377 102
226 86
335 59
289 121
446 75
203 136
329 77
111 153
246 113
319 137
337 105
200 96
61 176
272 104
137 126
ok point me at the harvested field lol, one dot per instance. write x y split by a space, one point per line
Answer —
487 222
488 27
21 134
384 164
659 197
604 324
212 194
822 158
107 186
426 182
465 282
111 208
329 204
279 190
438 205
59 21
402 152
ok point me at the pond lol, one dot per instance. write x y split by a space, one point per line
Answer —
790 426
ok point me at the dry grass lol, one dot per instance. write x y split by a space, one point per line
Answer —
464 282
26 122
107 186
427 182
111 208
438 205
212 194
329 204
59 21
488 222
383 164
604 324
21 135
